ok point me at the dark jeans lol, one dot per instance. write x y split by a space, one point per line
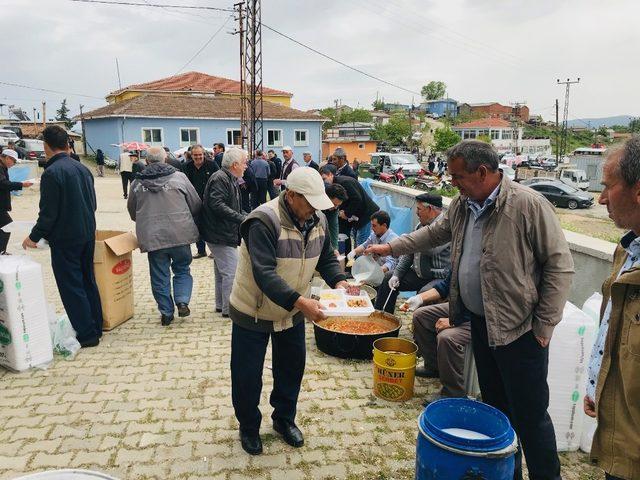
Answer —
513 379
126 178
200 246
260 196
161 263
73 270
5 219
410 282
611 477
248 349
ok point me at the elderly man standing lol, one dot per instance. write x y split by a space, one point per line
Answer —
8 159
511 275
283 243
288 166
342 164
163 203
417 271
67 220
221 221
308 161
198 170
613 388
125 165
261 171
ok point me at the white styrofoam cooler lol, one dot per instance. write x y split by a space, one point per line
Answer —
25 340
569 353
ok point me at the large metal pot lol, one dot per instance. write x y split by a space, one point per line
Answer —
354 345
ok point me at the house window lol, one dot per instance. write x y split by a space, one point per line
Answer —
506 134
189 136
274 138
234 137
466 134
152 136
301 138
361 146
495 134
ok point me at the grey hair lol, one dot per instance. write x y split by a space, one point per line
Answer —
197 145
156 155
474 154
629 163
233 155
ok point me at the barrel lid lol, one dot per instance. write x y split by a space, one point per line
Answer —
469 415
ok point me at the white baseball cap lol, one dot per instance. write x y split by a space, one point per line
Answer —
287 147
9 152
308 183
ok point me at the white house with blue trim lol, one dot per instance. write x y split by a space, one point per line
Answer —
176 121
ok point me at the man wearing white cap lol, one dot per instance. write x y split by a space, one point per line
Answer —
308 161
8 159
284 242
289 166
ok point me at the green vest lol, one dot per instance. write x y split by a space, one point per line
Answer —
296 264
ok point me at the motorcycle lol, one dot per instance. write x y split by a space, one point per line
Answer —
397 176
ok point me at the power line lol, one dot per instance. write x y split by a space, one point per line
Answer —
48 90
156 5
205 45
338 61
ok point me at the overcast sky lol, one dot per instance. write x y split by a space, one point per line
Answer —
484 50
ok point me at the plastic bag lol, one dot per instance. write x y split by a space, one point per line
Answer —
63 336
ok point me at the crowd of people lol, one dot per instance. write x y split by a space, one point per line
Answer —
492 271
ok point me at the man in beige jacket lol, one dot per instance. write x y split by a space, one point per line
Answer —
511 275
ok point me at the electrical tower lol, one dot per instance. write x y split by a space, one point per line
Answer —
563 135
251 115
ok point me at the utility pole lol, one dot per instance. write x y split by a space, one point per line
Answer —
118 70
563 140
44 114
557 134
84 138
253 73
244 127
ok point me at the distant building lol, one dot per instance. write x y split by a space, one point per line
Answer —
177 121
444 107
503 136
357 150
355 130
380 118
195 84
397 107
495 110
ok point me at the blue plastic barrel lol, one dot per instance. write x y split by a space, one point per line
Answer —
342 247
445 453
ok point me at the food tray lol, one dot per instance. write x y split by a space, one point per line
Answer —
338 303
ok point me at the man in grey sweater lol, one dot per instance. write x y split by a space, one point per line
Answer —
163 203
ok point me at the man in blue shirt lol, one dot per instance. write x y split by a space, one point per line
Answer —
380 234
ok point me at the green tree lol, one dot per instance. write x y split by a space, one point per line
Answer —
62 115
378 105
602 131
433 90
484 138
634 125
357 115
444 138
332 115
395 132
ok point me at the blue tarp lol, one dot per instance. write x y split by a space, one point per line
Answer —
402 220
20 173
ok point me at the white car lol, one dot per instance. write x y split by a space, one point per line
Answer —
7 136
507 170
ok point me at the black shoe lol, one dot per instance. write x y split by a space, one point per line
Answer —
425 372
251 443
166 320
290 433
183 310
199 255
218 310
92 342
225 315
125 196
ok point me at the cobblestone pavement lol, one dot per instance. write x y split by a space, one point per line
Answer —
154 402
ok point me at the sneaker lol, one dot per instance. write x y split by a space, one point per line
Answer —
166 320
183 310
199 255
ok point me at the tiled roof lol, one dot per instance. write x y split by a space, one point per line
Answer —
484 123
31 131
159 105
195 82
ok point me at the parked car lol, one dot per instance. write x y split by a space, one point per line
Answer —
7 136
563 195
507 170
31 149
14 129
385 162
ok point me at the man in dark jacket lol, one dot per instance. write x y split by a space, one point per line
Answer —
221 221
288 166
198 170
308 161
218 152
8 159
261 171
277 162
67 221
342 164
356 212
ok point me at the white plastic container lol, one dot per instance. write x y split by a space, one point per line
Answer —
25 340
569 353
336 303
366 270
72 474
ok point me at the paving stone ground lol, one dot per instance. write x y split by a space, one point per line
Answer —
153 402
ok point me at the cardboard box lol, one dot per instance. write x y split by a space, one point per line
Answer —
114 275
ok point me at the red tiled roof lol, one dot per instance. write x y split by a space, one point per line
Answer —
195 82
484 123
158 105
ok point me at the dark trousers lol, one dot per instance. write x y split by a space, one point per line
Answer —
513 379
611 477
273 190
200 245
410 282
248 349
260 196
126 178
73 270
5 219
245 197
